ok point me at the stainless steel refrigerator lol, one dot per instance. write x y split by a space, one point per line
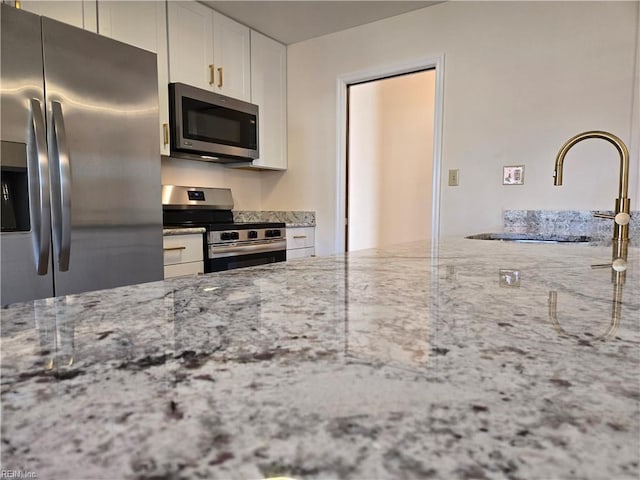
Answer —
80 161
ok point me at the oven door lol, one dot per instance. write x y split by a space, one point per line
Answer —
245 260
212 126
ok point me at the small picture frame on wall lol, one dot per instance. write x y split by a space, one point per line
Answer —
513 175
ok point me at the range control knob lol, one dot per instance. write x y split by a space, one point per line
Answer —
225 236
235 235
252 234
275 233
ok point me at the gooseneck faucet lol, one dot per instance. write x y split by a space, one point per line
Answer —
622 208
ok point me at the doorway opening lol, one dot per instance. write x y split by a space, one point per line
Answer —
391 173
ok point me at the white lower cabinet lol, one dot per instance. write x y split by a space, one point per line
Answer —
300 253
183 255
300 242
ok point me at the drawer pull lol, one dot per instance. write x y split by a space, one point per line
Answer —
166 249
299 236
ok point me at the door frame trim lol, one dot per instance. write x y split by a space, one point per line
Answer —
376 73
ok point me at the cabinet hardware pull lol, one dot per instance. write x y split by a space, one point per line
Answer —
166 249
212 71
18 5
220 77
165 130
299 236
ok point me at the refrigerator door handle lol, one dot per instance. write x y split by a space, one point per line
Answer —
38 178
60 187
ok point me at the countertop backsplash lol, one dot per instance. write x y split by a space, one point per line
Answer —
568 222
291 218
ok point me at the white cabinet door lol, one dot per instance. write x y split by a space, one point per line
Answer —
300 242
144 25
183 255
191 44
300 253
269 92
208 50
80 14
182 248
300 237
183 269
231 57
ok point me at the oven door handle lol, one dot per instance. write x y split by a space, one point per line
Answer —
218 251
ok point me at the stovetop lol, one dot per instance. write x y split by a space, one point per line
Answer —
244 226
185 217
210 208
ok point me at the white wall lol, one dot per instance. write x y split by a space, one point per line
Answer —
390 160
245 185
519 79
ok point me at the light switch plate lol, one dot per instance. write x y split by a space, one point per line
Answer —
454 177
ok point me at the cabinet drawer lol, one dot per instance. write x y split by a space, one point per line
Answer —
183 269
300 253
182 248
300 237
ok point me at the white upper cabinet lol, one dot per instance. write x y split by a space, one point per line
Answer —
208 50
232 57
142 24
80 14
191 44
269 92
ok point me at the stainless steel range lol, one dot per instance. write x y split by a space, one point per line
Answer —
227 245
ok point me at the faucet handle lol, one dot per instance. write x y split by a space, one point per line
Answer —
618 265
621 218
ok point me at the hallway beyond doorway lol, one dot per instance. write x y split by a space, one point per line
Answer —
390 160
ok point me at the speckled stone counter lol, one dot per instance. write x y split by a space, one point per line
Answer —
168 232
291 218
397 363
568 222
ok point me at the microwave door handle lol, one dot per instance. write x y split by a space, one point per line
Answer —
38 179
61 187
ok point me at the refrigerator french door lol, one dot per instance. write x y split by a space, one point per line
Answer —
80 161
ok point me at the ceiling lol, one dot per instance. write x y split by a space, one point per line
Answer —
294 21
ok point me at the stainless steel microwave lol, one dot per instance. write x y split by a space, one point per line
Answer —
211 127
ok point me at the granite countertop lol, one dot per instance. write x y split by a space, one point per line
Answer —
568 222
168 232
292 218
404 362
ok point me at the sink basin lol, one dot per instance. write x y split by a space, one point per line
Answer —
531 238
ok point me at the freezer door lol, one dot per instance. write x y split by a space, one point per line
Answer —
102 114
25 234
